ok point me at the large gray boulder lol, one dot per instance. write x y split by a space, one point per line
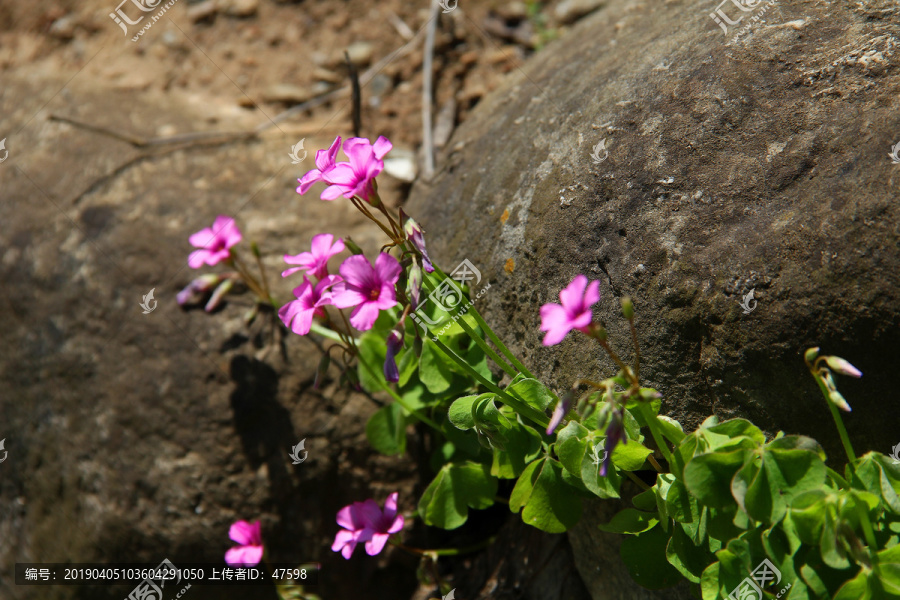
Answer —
752 160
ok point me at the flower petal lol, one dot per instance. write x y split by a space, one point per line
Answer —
572 296
377 543
245 533
364 316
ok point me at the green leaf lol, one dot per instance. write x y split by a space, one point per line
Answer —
550 504
434 370
876 476
856 589
525 486
690 560
571 446
645 557
601 486
523 446
708 476
372 350
709 582
671 429
731 429
407 363
630 456
456 488
630 520
808 512
680 505
460 413
645 500
386 430
532 392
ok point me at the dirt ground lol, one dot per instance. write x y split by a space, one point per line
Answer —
98 193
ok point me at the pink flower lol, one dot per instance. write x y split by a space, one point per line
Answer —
298 314
364 522
250 551
214 243
355 177
574 313
324 162
369 289
316 261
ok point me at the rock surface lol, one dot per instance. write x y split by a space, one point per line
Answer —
686 167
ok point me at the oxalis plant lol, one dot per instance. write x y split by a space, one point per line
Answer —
736 514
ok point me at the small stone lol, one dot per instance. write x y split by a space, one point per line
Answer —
287 93
323 74
570 11
241 8
63 28
202 11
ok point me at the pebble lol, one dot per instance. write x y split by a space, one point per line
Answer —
241 8
287 93
204 10
570 11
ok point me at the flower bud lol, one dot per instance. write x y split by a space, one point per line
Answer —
414 285
416 237
217 296
251 315
394 345
627 308
839 365
352 247
194 291
835 396
811 355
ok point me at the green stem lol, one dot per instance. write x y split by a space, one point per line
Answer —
493 337
448 551
658 437
397 397
518 405
477 338
839 423
869 534
837 477
326 333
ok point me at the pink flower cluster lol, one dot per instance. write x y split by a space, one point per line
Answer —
366 288
348 179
